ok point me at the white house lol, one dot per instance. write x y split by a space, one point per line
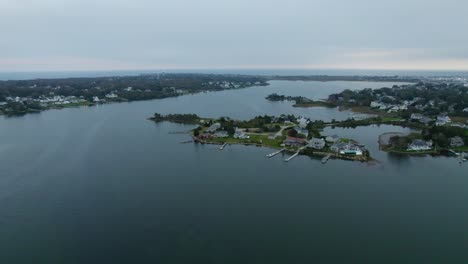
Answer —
332 139
240 134
442 120
351 149
214 127
316 143
111 95
303 122
418 145
456 142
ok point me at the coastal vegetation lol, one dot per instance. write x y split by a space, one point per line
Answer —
299 101
25 96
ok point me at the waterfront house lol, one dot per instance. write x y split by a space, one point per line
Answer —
316 143
240 134
111 95
419 145
214 127
294 141
205 136
351 149
221 134
303 122
375 104
456 142
96 99
338 146
332 139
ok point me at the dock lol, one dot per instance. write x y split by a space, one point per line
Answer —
292 157
186 141
453 152
275 153
326 158
223 146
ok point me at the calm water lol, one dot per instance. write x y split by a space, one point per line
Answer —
104 185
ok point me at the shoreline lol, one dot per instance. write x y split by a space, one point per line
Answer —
310 153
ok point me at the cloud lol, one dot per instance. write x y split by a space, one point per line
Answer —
44 34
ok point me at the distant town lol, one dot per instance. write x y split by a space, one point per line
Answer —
19 97
29 96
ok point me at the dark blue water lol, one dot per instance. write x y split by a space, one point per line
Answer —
104 185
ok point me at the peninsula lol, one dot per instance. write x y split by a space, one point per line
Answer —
289 133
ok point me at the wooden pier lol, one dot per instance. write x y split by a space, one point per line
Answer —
275 153
326 158
292 157
223 146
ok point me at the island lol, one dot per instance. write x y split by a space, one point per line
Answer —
288 133
299 101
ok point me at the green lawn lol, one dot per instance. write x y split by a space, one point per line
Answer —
254 139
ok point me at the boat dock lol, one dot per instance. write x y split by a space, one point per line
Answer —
186 141
275 153
292 157
326 158
223 146
453 152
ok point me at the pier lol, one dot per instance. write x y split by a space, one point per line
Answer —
223 146
293 156
275 153
326 158
186 141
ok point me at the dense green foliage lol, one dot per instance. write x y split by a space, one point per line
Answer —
428 98
177 118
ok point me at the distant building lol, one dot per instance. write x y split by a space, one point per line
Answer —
338 146
420 118
303 122
416 117
316 143
294 141
96 99
221 134
111 95
442 120
419 145
456 142
214 127
240 134
351 149
332 139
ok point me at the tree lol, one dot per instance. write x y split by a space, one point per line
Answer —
292 132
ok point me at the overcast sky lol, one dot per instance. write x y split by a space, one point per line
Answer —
51 35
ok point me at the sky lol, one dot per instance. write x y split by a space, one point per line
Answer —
89 35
